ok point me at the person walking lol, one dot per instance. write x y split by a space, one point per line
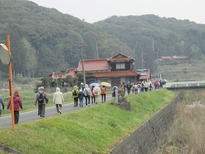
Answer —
92 95
103 91
42 100
1 104
87 93
58 99
17 105
129 86
123 88
80 97
75 96
96 91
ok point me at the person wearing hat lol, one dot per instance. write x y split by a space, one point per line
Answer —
58 99
42 100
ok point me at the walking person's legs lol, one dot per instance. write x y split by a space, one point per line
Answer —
60 108
86 100
102 95
39 109
16 117
57 108
89 100
42 110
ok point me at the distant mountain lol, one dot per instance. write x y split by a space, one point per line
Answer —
148 34
44 40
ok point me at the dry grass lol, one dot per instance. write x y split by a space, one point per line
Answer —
186 136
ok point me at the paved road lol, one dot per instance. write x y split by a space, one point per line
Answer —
32 115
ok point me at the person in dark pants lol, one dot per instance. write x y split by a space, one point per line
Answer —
80 97
92 95
87 93
103 91
1 104
42 100
129 86
75 96
17 106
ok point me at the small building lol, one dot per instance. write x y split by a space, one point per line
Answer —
174 59
144 74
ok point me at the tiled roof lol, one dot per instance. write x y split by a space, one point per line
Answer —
120 57
116 73
94 65
166 57
63 75
71 73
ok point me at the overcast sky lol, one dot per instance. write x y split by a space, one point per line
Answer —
96 10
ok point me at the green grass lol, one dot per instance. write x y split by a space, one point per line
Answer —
28 98
94 129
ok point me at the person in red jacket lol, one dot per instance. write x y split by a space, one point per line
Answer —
17 106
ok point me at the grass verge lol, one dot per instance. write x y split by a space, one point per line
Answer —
89 130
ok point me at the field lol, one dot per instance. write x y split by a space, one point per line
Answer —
184 71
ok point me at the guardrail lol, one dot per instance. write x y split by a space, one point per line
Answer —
186 88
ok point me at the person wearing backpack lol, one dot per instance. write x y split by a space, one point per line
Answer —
17 106
87 93
75 96
1 104
42 100
81 96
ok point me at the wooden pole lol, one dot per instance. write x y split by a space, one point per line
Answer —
10 82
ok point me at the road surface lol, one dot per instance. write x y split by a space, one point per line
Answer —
33 115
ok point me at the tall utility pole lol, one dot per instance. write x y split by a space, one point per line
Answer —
97 50
83 69
156 54
142 60
157 62
5 58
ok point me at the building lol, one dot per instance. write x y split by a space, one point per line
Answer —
114 70
144 74
174 59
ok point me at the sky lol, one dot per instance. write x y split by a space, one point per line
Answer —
95 10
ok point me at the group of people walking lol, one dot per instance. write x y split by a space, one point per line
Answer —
84 96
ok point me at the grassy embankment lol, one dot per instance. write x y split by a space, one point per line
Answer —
94 129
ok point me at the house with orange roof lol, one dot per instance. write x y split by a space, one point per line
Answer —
114 70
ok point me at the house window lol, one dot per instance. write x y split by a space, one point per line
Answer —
120 66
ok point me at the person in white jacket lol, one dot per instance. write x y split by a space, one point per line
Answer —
58 99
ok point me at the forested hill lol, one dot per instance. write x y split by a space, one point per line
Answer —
44 40
145 34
